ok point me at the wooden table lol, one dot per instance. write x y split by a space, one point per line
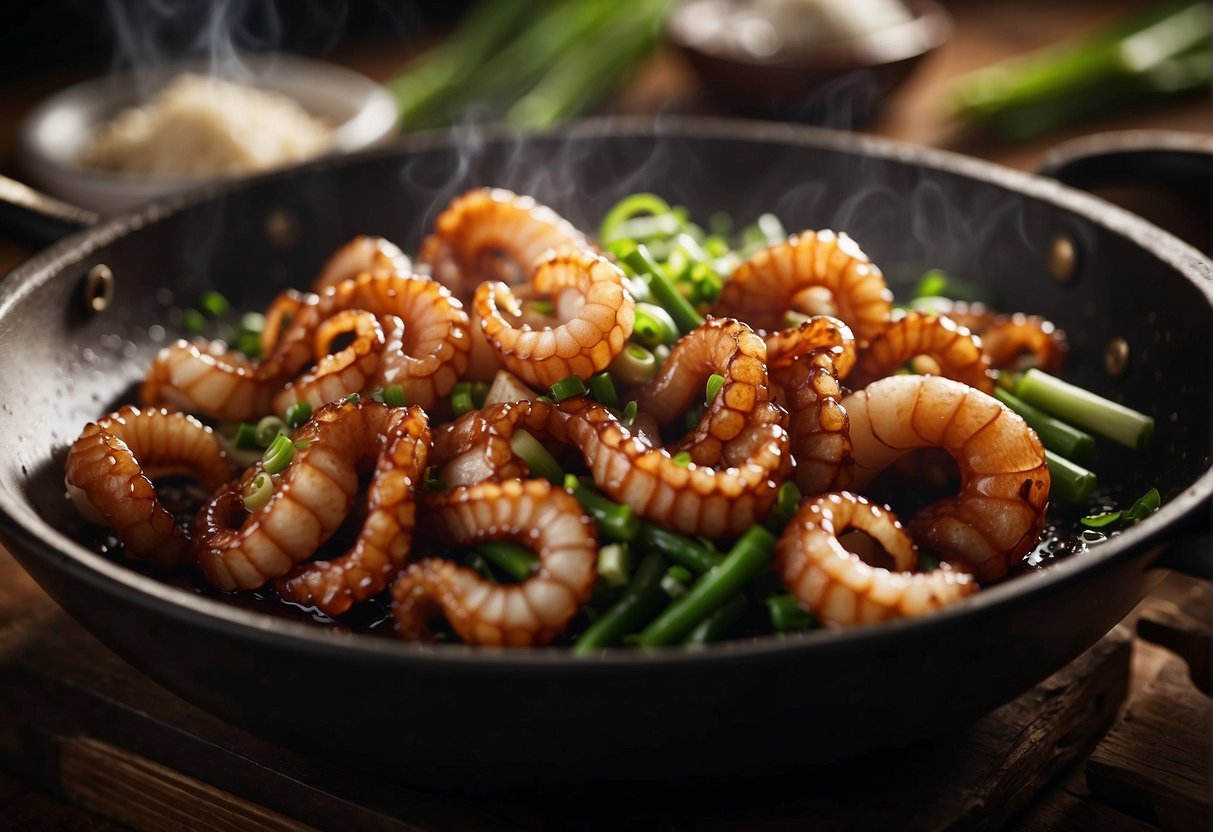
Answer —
1113 788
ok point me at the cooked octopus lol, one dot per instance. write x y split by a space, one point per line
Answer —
999 512
581 346
535 611
111 466
312 497
805 364
732 350
774 281
426 331
957 354
375 255
839 586
797 321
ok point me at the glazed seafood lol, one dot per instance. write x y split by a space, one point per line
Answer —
696 426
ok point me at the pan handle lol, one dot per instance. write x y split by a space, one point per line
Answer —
35 219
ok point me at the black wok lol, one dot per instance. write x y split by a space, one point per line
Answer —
445 714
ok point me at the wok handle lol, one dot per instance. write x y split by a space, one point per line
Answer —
35 219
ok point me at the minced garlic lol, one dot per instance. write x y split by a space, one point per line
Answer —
200 127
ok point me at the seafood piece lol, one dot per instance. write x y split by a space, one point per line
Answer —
209 379
957 353
838 586
805 364
772 282
384 543
1004 480
476 447
530 512
731 349
343 372
581 346
1012 341
426 331
312 497
111 466
494 234
714 501
375 255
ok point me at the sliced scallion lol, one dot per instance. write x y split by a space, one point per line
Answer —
536 457
298 414
1085 409
246 437
633 366
615 564
715 382
568 387
258 492
278 455
268 429
602 389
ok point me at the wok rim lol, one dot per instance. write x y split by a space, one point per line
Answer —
25 529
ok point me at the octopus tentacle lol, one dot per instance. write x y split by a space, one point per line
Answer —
110 468
384 543
581 346
764 288
531 512
311 498
956 351
838 586
999 512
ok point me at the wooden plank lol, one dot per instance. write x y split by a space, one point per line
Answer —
1185 628
148 796
62 684
1070 806
1154 763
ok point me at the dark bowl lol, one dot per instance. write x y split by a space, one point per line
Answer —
839 83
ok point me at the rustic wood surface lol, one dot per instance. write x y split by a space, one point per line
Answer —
57 772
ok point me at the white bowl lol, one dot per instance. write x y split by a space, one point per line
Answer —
52 137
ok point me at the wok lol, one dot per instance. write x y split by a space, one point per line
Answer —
447 714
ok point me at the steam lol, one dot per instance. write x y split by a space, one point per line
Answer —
151 37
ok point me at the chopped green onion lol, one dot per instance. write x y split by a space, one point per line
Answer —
480 392
602 389
692 418
515 560
252 322
298 413
653 326
1146 505
301 444
640 600
633 366
682 459
629 413
246 437
1085 409
461 398
616 521
258 492
536 457
268 429
392 395
627 208
215 304
193 320
715 382
278 455
751 554
719 624
681 549
476 562
615 564
664 290
674 582
1068 480
1055 434
787 501
787 615
568 387
352 398
249 343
